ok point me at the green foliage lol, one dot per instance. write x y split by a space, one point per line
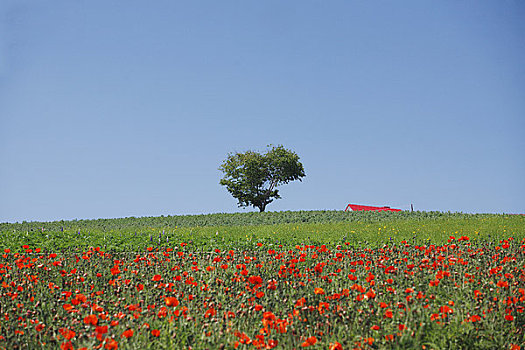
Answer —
245 229
252 178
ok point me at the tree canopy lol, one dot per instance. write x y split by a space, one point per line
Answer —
252 178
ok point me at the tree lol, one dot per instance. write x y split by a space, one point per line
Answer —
252 178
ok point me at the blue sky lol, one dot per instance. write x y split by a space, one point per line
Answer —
113 109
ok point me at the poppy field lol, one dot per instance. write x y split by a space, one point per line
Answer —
464 292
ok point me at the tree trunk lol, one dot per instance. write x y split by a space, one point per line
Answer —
262 207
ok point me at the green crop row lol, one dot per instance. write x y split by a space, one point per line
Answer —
240 219
247 229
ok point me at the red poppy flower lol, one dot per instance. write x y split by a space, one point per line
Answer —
370 294
101 329
67 333
255 280
127 334
446 310
66 346
91 319
502 284
300 302
163 312
171 301
309 342
335 346
475 318
272 344
111 344
155 332
319 291
269 316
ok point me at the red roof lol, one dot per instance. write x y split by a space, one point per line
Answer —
357 207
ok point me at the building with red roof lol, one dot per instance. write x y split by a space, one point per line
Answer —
357 207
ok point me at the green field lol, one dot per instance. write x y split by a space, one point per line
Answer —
243 230
283 280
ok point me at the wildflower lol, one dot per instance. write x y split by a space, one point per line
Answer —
503 284
474 318
445 310
309 342
272 344
171 301
111 344
255 280
210 313
155 332
127 333
335 346
101 329
370 277
300 302
319 291
370 294
269 316
66 346
91 319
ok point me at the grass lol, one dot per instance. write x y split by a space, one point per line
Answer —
245 230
